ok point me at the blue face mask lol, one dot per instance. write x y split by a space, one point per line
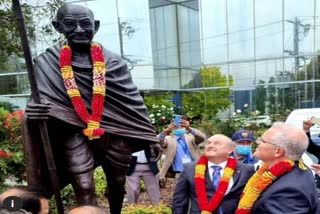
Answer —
243 150
179 132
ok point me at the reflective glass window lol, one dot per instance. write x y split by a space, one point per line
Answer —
298 27
240 29
214 31
269 28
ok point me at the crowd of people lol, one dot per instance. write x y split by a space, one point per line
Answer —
232 177
228 177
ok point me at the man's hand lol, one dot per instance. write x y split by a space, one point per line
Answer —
307 124
316 168
185 124
38 111
169 129
156 152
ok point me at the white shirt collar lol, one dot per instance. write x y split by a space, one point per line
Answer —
222 165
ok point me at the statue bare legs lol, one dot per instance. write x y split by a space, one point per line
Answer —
114 154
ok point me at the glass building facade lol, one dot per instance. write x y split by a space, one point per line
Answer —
268 50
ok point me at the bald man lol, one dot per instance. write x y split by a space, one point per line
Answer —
217 156
294 190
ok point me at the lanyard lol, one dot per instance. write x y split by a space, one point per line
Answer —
183 145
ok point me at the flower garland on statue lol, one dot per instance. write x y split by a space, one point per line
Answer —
259 182
93 130
207 207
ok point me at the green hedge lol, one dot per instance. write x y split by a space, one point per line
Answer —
146 209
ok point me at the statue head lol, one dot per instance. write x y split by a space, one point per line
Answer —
76 23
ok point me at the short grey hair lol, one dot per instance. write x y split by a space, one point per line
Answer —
225 138
292 139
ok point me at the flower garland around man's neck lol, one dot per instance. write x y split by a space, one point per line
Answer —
93 130
259 182
200 184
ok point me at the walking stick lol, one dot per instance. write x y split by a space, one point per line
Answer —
36 97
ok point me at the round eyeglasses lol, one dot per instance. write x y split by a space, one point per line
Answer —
260 139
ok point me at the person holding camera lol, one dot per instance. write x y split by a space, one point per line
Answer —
181 145
312 148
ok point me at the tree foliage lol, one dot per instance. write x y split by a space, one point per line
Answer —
207 103
10 44
37 21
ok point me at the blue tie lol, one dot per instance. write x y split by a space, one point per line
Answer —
216 176
215 180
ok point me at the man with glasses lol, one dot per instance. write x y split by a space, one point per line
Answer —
212 175
283 184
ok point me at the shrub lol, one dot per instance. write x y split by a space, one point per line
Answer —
8 106
12 164
160 116
146 209
100 181
67 197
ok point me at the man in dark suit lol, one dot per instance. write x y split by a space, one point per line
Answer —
294 191
217 152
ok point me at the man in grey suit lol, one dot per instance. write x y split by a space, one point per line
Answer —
293 192
217 153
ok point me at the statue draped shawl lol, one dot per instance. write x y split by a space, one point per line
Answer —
124 111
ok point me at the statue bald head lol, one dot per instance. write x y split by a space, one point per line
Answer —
76 23
72 8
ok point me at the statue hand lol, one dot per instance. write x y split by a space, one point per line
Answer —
38 111
156 152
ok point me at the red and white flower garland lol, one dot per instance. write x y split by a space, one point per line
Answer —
93 130
207 207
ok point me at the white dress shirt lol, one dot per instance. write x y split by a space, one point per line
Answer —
222 165
141 157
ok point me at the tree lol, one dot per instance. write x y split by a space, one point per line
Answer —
10 44
207 103
304 93
261 97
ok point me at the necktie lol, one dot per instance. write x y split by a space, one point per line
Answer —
216 176
215 180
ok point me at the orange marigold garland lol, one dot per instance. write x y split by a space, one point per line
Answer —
93 130
259 182
200 184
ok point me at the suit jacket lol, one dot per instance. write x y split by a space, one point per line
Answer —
185 195
170 147
153 165
313 148
292 193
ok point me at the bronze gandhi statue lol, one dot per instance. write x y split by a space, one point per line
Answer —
95 114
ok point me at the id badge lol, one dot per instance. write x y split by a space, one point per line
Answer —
186 159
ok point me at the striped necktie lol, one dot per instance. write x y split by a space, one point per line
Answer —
215 180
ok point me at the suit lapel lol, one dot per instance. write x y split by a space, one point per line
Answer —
209 183
235 177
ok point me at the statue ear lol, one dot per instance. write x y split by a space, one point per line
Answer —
96 25
57 26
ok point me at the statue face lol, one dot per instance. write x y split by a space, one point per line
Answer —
77 24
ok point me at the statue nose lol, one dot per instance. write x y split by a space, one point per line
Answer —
79 29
